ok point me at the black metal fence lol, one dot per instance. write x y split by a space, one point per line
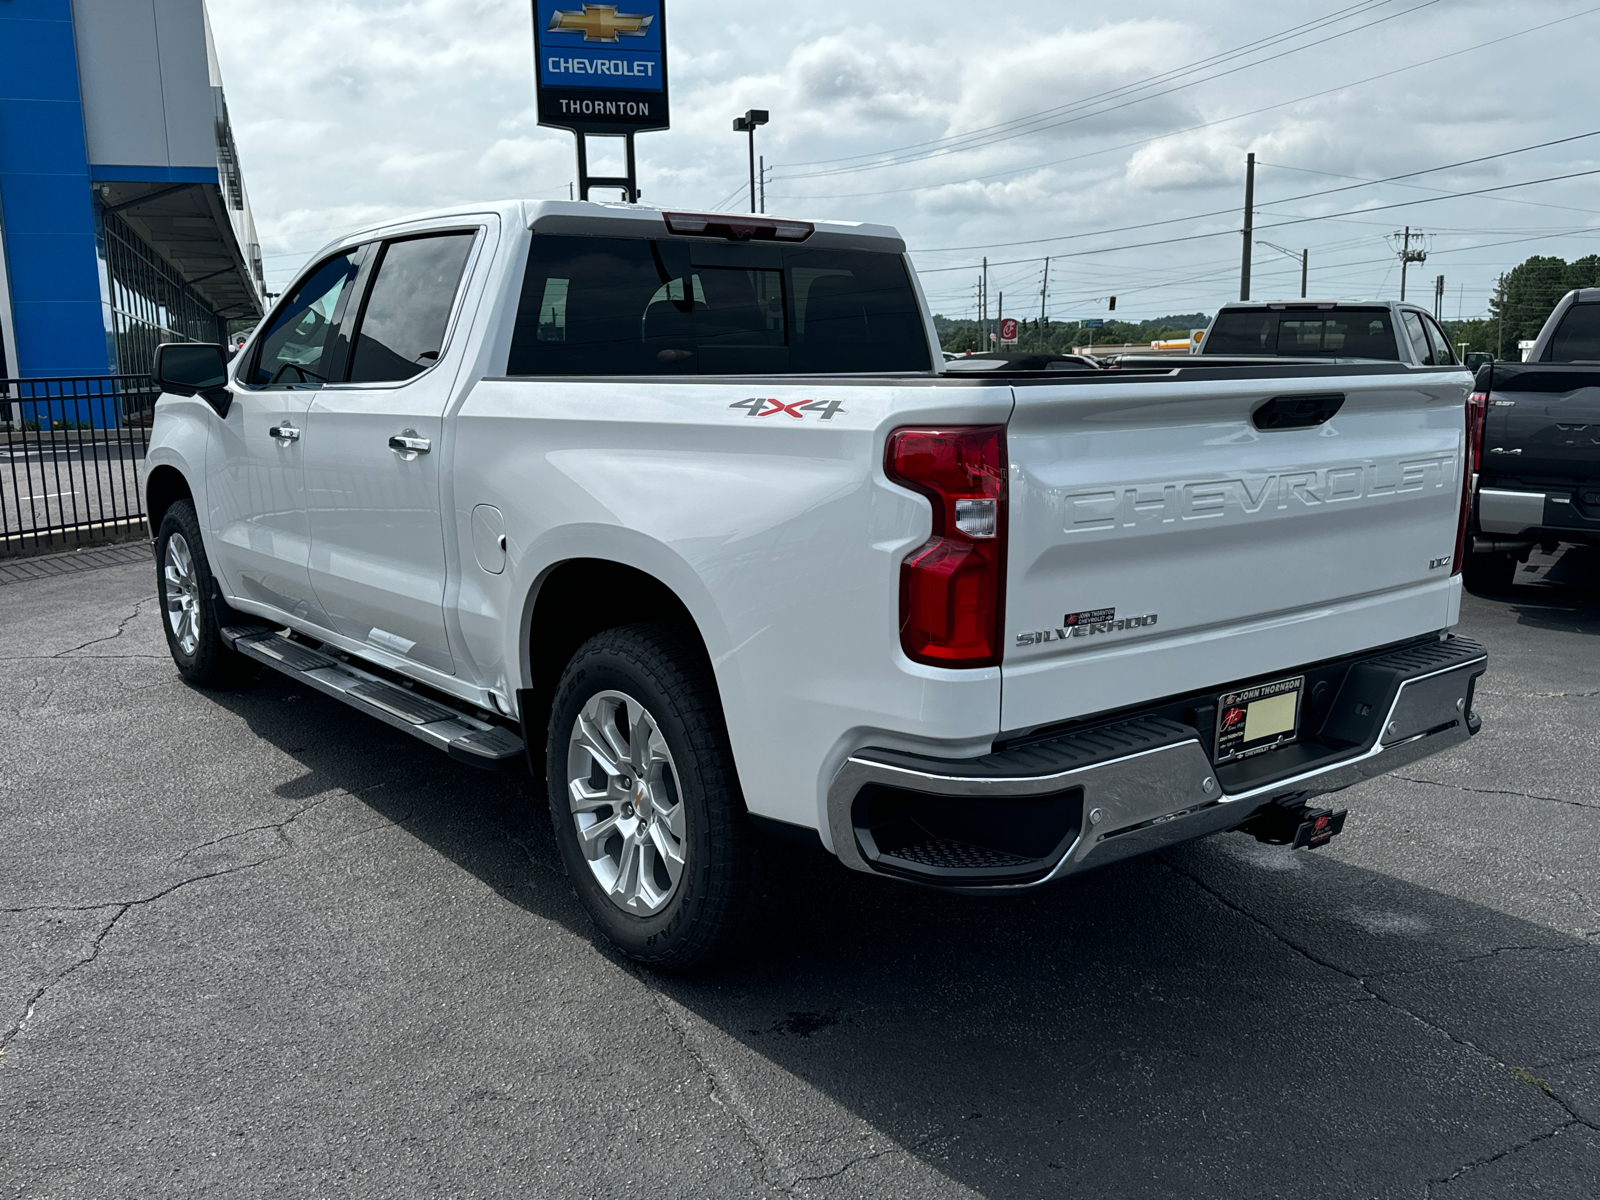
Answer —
72 456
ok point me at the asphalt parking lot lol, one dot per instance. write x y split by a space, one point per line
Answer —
50 484
255 944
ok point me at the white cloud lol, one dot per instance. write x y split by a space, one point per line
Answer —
349 111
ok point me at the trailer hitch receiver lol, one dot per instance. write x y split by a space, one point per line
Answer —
1289 821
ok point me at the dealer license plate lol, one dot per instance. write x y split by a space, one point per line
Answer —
1258 719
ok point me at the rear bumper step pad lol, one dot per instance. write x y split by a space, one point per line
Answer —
463 737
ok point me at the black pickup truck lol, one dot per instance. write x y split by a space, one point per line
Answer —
1538 446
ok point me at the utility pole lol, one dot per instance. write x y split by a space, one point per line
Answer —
763 177
1249 224
747 124
1438 299
1408 256
1305 259
984 328
1044 289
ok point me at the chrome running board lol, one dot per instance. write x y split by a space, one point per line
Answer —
464 738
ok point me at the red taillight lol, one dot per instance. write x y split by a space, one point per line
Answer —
952 588
1477 418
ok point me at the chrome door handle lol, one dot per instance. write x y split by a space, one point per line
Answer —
408 445
285 433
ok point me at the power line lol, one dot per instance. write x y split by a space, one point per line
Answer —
1418 187
1193 237
1254 112
1056 124
1286 200
1044 114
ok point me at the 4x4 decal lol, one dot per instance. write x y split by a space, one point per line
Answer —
758 407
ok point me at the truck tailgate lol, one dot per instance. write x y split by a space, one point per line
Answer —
1543 424
1161 543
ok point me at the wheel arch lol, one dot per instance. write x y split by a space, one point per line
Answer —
164 487
573 600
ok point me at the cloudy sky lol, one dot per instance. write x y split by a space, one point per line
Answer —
1015 131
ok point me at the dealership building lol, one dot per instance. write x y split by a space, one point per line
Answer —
124 220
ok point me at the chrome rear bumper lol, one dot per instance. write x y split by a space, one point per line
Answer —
1145 782
1506 512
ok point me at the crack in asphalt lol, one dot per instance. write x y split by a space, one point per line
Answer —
82 657
279 827
1494 791
1361 982
1540 695
776 1174
1471 958
123 907
915 1148
122 626
779 1175
84 960
1497 1156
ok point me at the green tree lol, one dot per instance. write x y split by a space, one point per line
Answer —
1525 296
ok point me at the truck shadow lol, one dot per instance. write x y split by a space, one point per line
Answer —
1559 591
1225 1020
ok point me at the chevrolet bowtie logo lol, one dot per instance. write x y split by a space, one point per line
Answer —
599 23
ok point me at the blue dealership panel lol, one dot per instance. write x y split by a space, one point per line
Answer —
601 66
48 215
600 46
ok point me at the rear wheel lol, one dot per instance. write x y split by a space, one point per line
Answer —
645 801
1489 574
192 610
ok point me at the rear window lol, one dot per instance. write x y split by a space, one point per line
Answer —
1338 333
1577 339
631 306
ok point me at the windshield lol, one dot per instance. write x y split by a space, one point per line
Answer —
1303 333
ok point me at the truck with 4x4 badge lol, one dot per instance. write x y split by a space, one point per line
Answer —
684 512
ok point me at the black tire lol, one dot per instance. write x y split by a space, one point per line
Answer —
714 909
1490 574
208 662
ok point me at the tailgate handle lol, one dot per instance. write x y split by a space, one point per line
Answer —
1298 412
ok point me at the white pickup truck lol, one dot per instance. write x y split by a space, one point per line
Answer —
687 504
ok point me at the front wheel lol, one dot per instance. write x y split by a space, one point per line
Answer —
645 800
192 610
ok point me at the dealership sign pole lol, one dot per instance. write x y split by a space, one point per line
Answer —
601 70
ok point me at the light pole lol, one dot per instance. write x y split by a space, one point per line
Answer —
1303 255
747 124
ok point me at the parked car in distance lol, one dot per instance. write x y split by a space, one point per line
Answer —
1382 330
1535 439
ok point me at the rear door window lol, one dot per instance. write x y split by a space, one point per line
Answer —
1438 343
632 306
1577 338
407 309
299 335
1304 333
1419 340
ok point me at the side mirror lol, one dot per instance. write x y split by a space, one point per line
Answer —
1476 359
194 369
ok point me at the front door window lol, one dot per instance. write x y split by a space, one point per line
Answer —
296 345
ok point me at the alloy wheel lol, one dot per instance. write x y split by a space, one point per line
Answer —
626 803
183 593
